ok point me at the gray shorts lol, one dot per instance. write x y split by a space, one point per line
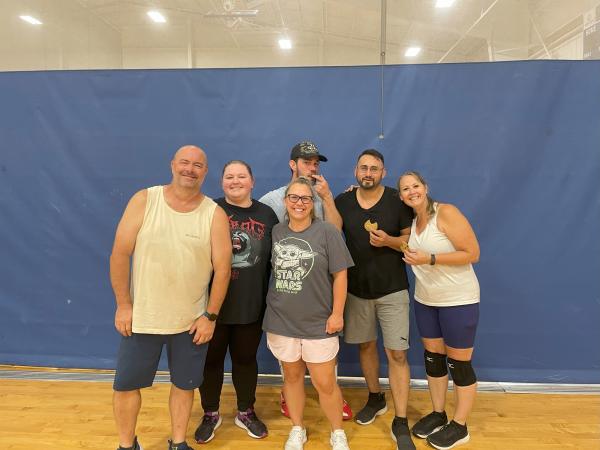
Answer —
361 317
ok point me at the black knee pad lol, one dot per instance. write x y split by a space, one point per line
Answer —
462 372
435 364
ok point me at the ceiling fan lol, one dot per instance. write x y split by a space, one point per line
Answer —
230 11
233 16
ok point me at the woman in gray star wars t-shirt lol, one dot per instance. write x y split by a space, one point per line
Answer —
305 306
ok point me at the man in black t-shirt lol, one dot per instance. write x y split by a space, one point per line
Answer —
376 222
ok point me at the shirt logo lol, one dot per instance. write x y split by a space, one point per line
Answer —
293 260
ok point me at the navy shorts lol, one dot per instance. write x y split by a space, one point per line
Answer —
456 324
139 355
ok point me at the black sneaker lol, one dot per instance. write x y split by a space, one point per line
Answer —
181 446
376 406
136 446
206 430
251 423
449 436
429 424
401 434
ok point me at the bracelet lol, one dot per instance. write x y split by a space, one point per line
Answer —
432 260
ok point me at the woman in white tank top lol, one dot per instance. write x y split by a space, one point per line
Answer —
441 250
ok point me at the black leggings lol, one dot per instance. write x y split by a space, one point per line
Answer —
242 341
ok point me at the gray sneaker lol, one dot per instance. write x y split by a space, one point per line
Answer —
401 434
449 436
181 446
429 424
376 406
251 423
206 430
136 446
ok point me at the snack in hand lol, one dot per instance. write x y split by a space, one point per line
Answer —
370 226
404 246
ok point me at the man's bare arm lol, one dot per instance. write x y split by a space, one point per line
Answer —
124 244
220 243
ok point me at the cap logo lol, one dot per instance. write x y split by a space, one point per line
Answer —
308 147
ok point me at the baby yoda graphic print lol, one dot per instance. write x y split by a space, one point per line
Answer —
293 261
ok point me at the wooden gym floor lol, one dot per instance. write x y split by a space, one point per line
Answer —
67 415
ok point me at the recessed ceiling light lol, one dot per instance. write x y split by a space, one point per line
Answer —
285 43
444 3
412 51
31 20
156 16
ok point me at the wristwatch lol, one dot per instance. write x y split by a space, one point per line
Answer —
210 316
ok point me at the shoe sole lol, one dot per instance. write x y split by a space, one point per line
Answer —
424 436
240 424
212 436
459 442
378 413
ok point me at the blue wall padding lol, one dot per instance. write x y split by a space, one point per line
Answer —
514 145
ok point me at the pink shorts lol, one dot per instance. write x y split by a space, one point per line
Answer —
288 349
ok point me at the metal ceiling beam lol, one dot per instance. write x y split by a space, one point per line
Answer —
466 33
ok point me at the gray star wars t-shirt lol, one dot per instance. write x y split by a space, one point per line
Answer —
300 298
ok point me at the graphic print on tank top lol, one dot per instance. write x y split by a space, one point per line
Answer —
294 259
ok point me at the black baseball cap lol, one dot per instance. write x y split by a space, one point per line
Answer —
306 150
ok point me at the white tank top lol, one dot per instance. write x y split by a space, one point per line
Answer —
172 266
441 285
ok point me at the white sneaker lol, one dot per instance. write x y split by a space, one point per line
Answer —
296 439
338 440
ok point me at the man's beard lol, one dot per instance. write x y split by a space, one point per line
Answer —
369 184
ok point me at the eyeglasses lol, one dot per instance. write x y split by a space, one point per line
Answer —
372 169
305 199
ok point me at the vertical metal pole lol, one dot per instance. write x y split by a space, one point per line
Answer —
190 44
382 47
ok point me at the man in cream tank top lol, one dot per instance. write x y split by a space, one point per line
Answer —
172 239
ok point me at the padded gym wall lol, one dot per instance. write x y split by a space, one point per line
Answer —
514 145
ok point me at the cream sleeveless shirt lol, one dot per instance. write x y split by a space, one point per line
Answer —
441 285
172 266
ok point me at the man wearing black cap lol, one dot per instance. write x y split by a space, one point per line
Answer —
305 160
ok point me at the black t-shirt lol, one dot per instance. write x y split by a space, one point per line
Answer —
378 271
250 230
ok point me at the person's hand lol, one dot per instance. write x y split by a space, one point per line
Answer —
378 238
351 187
123 319
203 330
321 186
335 323
416 257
